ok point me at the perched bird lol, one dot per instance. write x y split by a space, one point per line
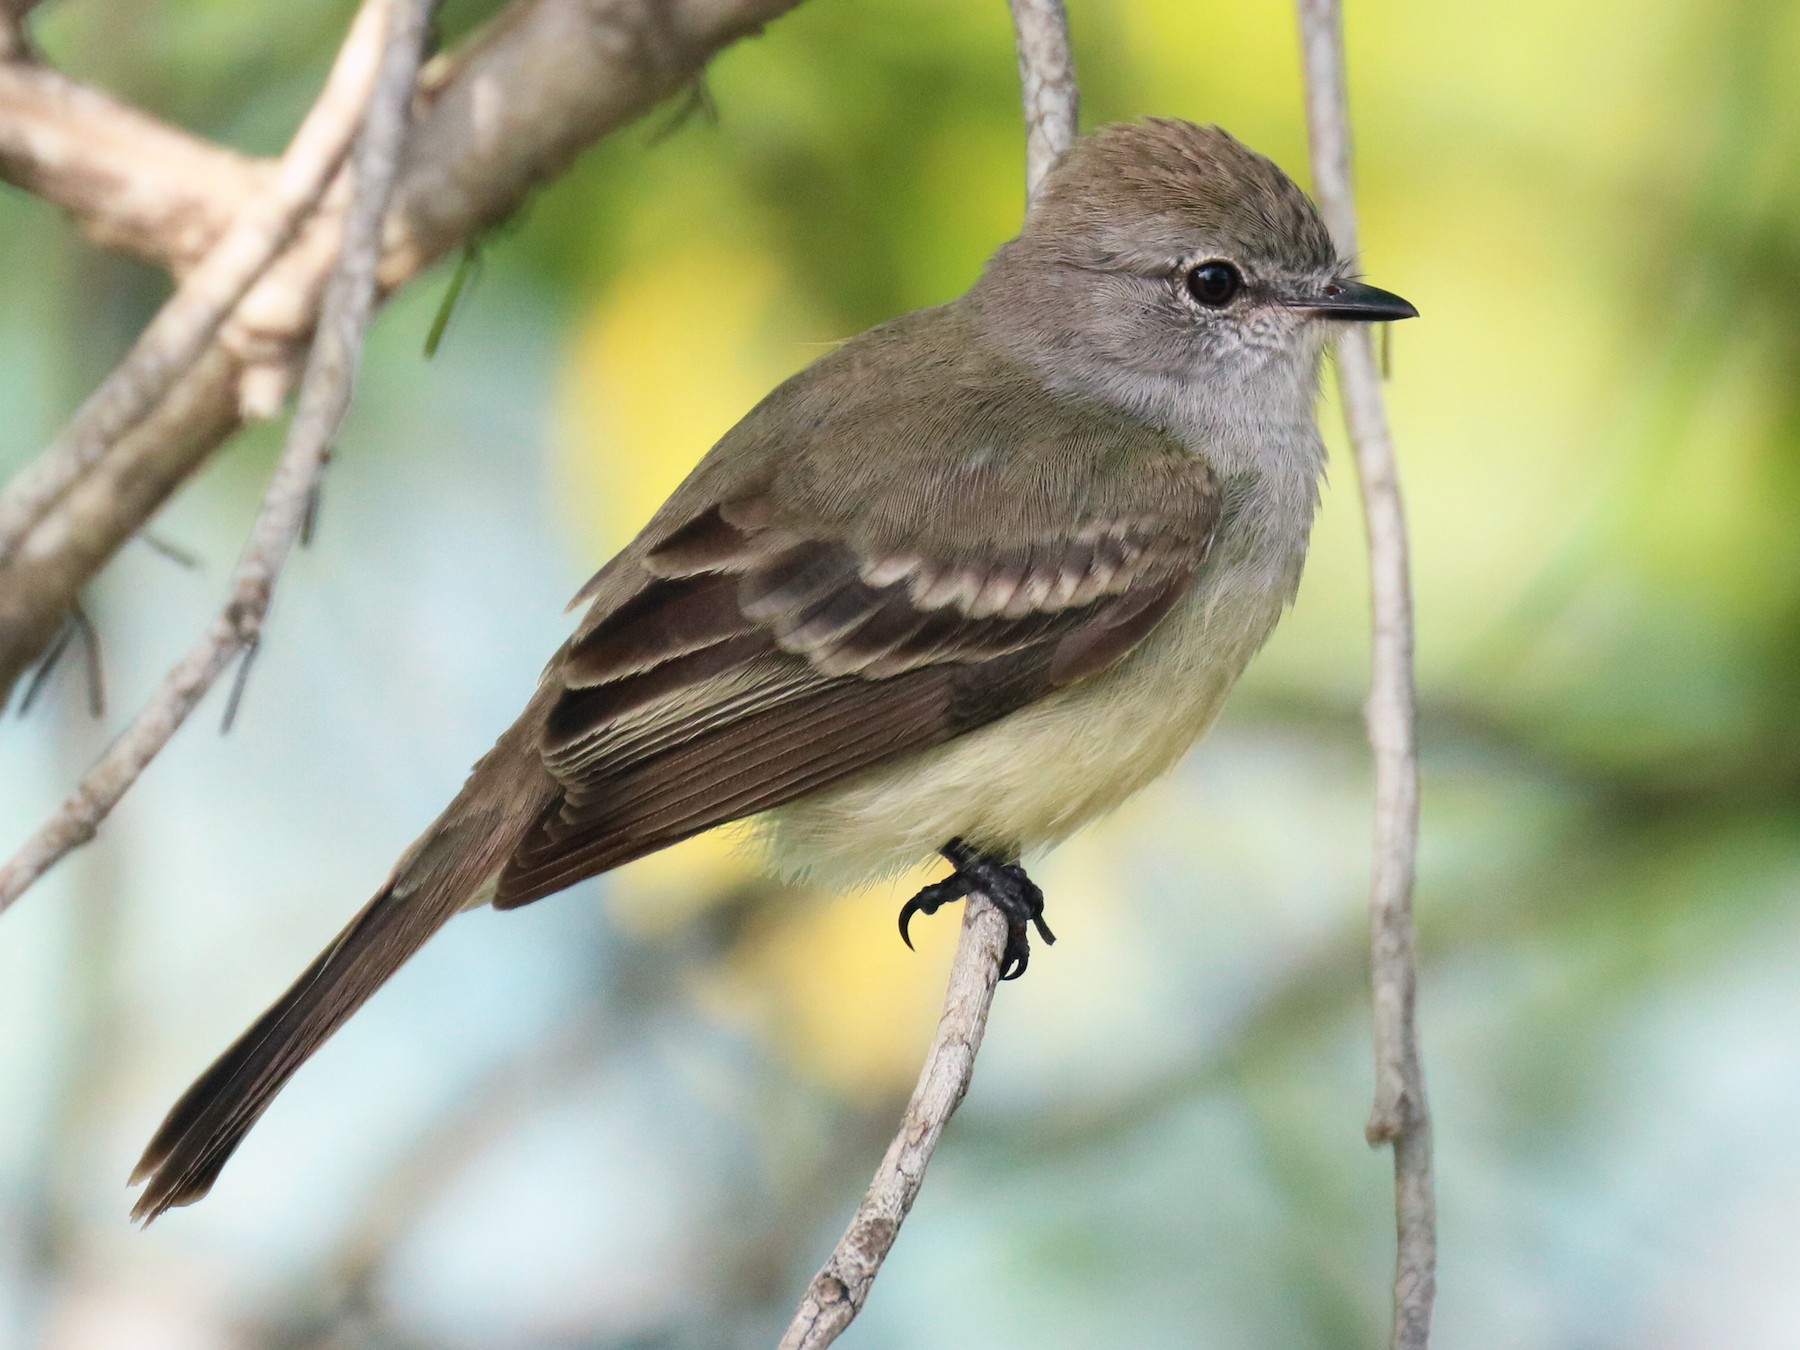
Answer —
960 586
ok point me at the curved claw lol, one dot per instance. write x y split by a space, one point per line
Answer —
910 908
1012 891
930 900
1013 963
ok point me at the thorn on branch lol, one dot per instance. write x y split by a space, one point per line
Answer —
696 102
251 649
175 553
315 503
90 648
468 267
76 624
41 676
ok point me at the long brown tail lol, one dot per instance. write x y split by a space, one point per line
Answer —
430 885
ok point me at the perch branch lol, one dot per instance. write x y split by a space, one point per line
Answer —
324 397
178 334
1401 1116
837 1293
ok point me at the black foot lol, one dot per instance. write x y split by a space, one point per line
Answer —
1014 894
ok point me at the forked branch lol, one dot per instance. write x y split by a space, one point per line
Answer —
174 339
571 71
399 31
506 113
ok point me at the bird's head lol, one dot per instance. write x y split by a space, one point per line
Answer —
1168 250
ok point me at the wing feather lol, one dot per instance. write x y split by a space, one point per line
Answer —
752 651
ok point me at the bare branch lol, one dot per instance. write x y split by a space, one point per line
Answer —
105 508
496 121
1047 82
324 397
1401 1115
179 333
130 182
838 1292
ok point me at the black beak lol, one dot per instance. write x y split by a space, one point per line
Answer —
1353 302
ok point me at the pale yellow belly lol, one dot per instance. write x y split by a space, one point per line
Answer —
1031 779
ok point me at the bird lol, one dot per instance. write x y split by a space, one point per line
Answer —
959 587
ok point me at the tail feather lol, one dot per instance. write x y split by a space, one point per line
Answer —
439 876
213 1116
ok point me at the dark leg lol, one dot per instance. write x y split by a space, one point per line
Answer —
1014 894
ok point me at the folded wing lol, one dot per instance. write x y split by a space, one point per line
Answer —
754 661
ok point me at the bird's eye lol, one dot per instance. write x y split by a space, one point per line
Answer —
1214 284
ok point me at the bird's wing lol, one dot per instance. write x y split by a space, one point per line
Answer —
773 643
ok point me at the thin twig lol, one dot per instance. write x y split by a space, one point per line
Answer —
1401 1116
181 330
1047 83
507 112
838 1291
324 397
235 698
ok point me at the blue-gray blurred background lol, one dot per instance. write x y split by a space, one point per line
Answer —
638 1114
